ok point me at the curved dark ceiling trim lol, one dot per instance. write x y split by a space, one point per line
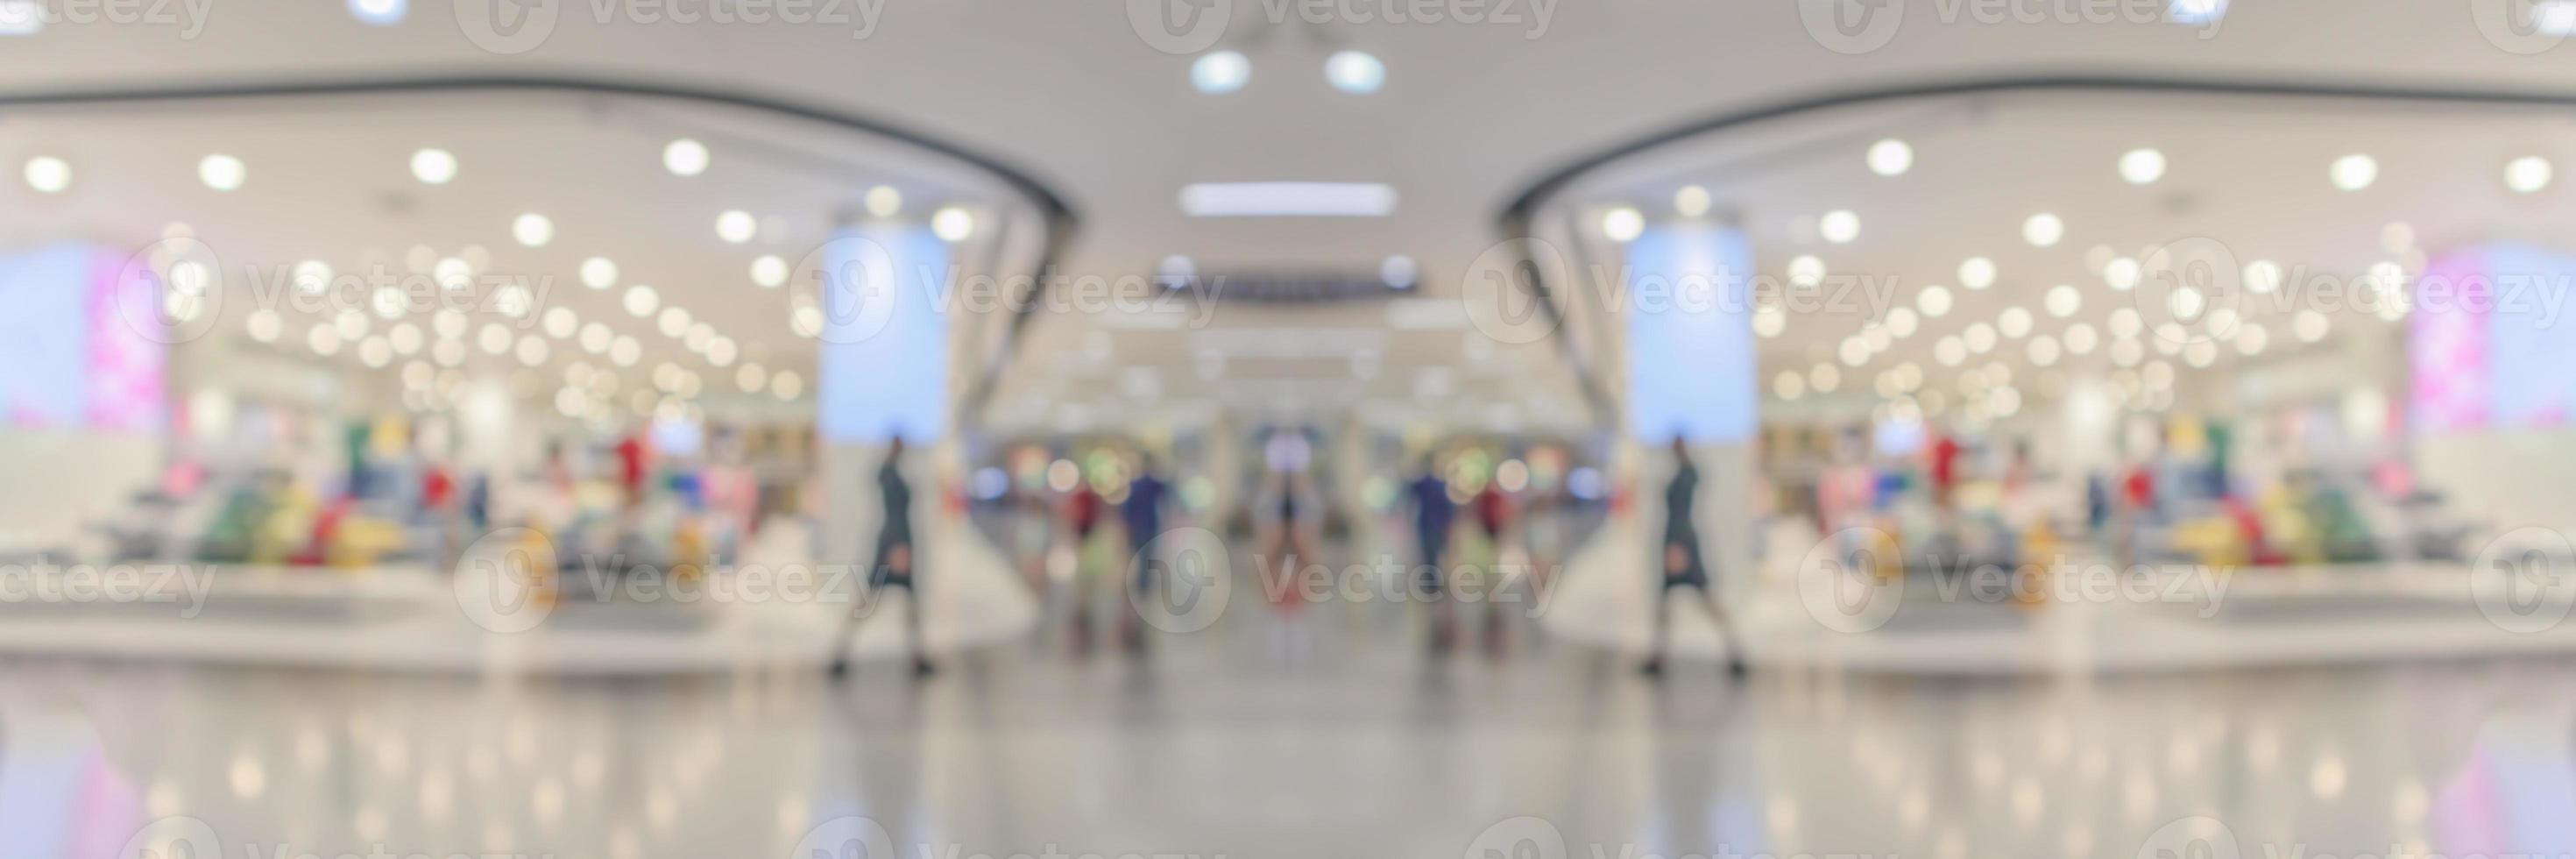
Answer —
1514 220
1061 221
1059 213
1518 211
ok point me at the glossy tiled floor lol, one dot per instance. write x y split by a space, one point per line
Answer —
1330 735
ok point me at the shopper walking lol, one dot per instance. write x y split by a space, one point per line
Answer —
893 566
1683 567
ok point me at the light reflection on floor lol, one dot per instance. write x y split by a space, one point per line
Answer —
1344 740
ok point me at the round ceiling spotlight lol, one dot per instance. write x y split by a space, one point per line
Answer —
2353 172
952 224
1355 72
1220 72
769 271
222 172
532 230
2262 276
2142 166
1977 273
2063 300
1691 201
598 273
1890 157
379 13
2527 174
48 174
685 157
2043 230
1839 226
884 201
433 166
736 226
641 301
1399 272
1623 224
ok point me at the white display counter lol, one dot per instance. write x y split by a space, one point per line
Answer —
410 619
2264 617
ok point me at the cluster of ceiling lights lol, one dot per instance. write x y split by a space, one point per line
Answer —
432 358
2140 378
1221 72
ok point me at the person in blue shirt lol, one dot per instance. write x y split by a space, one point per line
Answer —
1142 513
1433 512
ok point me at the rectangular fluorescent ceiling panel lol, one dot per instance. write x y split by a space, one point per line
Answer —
1288 200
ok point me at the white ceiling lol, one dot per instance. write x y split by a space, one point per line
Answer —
1470 113
2246 179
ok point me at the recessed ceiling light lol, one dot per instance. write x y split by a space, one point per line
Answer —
2353 172
2262 276
2063 300
598 273
1839 226
2527 174
222 172
263 325
1691 201
1806 270
433 166
685 157
48 174
2142 166
1890 157
1977 273
532 230
1288 199
736 226
2043 230
769 271
1220 72
1355 72
641 300
1399 272
2121 273
884 201
1623 224
2195 12
952 224
379 13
